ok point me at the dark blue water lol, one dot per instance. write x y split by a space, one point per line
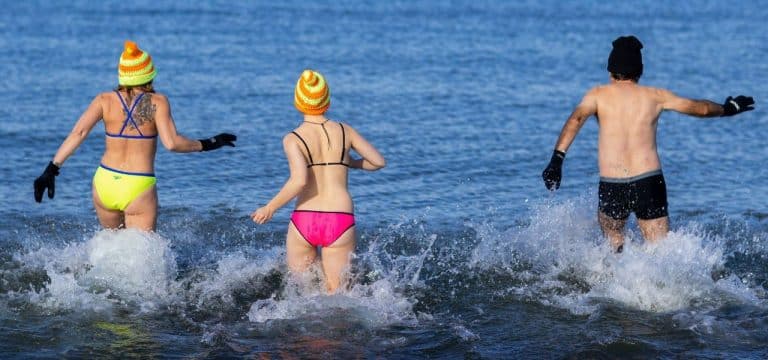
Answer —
462 253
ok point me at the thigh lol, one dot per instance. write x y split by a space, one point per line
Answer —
336 259
609 223
108 218
654 229
613 229
299 254
141 213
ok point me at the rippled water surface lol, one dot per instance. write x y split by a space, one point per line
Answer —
461 251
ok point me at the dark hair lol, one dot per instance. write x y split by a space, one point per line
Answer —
147 88
622 77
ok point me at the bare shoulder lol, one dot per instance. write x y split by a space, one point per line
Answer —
595 93
290 138
104 100
596 90
347 126
106 96
592 96
157 102
336 122
660 94
158 98
652 89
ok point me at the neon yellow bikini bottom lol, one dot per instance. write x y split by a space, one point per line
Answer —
116 189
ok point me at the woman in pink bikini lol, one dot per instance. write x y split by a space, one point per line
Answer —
318 158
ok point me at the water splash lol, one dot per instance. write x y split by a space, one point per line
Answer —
378 293
224 293
113 267
560 259
405 277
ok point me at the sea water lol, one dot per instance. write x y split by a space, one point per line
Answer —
461 251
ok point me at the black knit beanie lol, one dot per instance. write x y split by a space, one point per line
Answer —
625 57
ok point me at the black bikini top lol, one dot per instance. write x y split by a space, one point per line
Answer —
343 142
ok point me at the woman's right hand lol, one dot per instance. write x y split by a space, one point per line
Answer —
218 141
262 215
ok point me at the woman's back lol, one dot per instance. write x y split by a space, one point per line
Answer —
325 146
134 116
131 131
318 154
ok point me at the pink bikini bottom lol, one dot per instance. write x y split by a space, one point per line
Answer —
322 228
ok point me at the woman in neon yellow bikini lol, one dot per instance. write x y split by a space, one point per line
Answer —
319 160
134 115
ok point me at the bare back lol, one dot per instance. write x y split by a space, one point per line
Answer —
327 158
628 115
135 150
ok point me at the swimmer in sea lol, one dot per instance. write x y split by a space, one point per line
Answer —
319 160
134 115
630 170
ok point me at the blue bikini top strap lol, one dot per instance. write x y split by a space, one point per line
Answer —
129 113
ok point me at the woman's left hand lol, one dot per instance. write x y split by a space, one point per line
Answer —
262 215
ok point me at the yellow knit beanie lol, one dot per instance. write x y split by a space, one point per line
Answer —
312 96
135 67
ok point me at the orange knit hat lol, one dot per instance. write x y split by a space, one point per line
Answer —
135 67
312 96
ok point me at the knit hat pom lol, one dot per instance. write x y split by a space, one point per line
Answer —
131 48
309 77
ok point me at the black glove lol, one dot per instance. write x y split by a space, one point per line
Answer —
46 180
218 141
741 103
554 171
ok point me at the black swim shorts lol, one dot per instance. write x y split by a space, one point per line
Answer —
645 195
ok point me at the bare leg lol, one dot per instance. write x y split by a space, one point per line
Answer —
336 259
109 219
141 213
613 229
655 229
299 253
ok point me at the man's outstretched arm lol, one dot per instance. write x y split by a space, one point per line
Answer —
553 173
705 108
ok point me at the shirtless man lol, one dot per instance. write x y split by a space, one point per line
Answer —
630 171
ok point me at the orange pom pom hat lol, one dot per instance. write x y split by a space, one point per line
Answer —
312 96
135 67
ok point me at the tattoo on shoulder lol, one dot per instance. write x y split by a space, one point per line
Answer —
145 110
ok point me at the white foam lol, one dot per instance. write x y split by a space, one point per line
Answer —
65 293
377 299
465 334
561 259
671 275
375 304
232 272
125 266
130 262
